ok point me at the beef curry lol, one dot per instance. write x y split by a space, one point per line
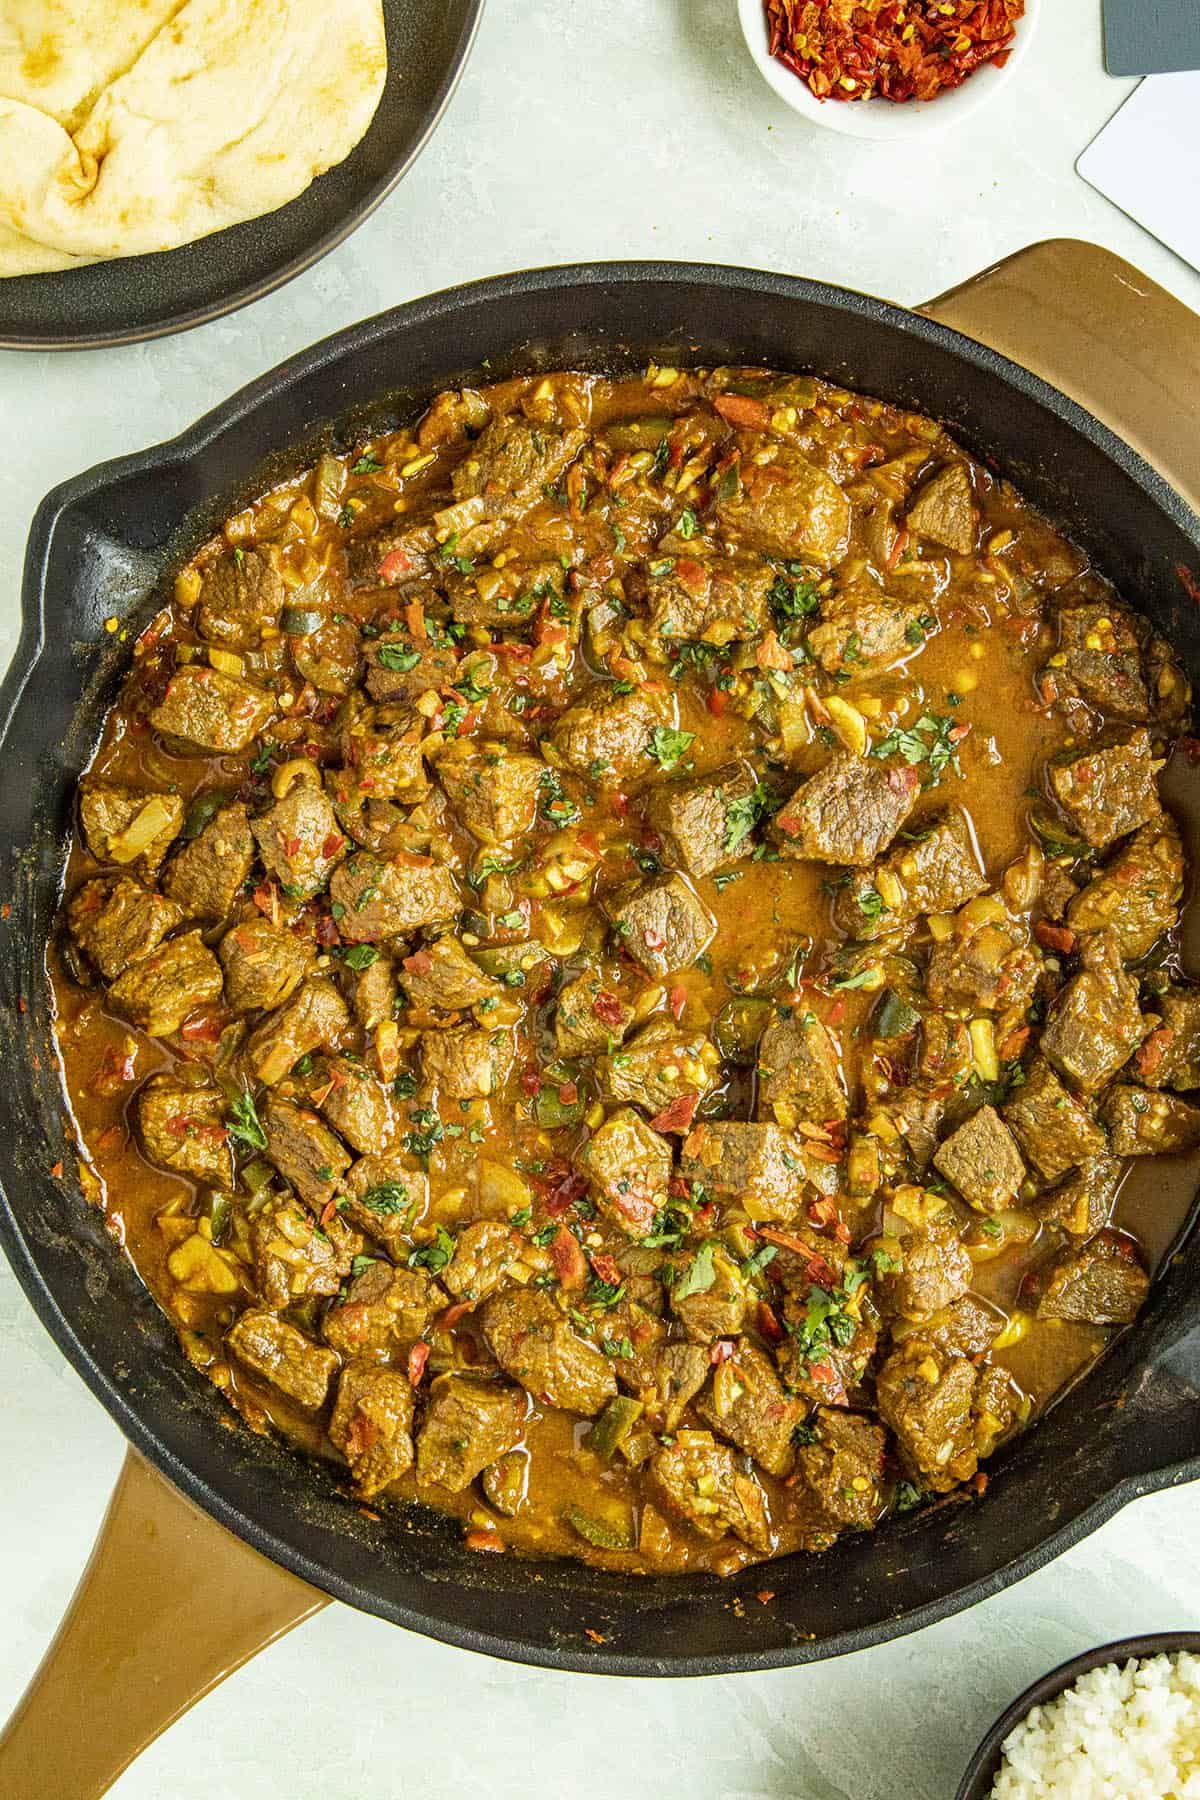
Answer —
621 946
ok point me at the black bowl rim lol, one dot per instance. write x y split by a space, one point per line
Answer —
984 1765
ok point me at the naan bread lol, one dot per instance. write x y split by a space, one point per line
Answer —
129 126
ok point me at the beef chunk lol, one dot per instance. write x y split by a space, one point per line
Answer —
937 874
443 978
355 1104
710 1296
677 1373
1083 1203
968 1327
372 1425
309 1157
385 1310
606 735
264 964
1099 661
589 1017
510 463
664 926
1053 1128
787 507
207 875
468 1424
1094 1025
300 841
1170 1057
1106 788
761 1164
159 990
722 598
799 1072
116 922
284 1357
661 1064
183 1128
1101 1283
484 1253
984 967
1137 894
629 1166
382 758
387 899
861 633
375 993
384 1195
295 1258
705 822
843 1465
925 1393
465 1062
943 510
934 1271
129 826
493 789
1143 1123
506 597
535 1343
848 812
699 1481
239 595
401 668
747 1404
945 1054
982 1161
313 1019
211 711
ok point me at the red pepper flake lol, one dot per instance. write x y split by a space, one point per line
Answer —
1191 586
606 1267
768 1323
677 1000
22 1004
418 1356
328 1214
901 50
653 938
420 963
597 1637
568 1092
5 910
332 845
488 1541
718 702
531 1082
453 1315
677 1115
608 1008
1054 937
837 1012
563 1190
742 411
56 1170
327 931
414 618
570 1263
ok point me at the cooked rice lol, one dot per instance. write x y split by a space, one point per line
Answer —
1129 1733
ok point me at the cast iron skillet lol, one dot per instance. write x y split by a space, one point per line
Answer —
137 297
99 547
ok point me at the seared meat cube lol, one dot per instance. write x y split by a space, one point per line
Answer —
387 899
785 507
724 596
944 1055
1099 661
464 1062
704 823
117 922
354 1102
239 594
468 1424
309 1157
294 1257
382 758
629 1166
982 1161
300 841
925 1393
484 1252
329 657
211 711
1083 1203
372 1425
384 1195
589 1018
710 1297
678 1372
129 826
536 1344
1137 894
934 1271
862 633
313 1019
761 1164
1053 1128
493 789
918 1119
606 735
385 1309
800 1072
506 597
1106 788
699 1481
967 1327
207 875
664 926
1170 1056
661 1064
284 1357
983 967
747 1404
400 668
444 978
1144 1123
264 964
943 510
938 874
1101 1283
375 993
183 1128
843 1465
849 811
510 463
159 990
1094 1026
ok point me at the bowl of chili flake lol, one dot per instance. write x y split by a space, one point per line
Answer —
872 68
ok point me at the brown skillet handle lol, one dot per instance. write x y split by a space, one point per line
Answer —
169 1604
1095 327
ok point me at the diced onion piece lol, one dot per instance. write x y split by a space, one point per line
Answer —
142 831
984 1059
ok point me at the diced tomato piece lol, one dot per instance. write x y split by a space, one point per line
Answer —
619 804
677 1000
837 1012
570 1263
568 1092
678 1114
332 844
419 963
418 1356
531 1081
395 564
1054 937
607 1008
1149 1057
771 654
718 702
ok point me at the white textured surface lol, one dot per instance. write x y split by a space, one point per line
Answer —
637 128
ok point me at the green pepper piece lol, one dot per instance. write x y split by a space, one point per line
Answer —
894 1017
605 1534
738 1027
614 1425
299 621
202 810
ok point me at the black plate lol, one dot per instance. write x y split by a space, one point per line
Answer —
135 297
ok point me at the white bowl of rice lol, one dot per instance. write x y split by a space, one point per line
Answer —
1119 1723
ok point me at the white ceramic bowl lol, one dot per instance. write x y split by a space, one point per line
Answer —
889 120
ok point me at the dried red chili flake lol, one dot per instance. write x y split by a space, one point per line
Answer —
900 50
